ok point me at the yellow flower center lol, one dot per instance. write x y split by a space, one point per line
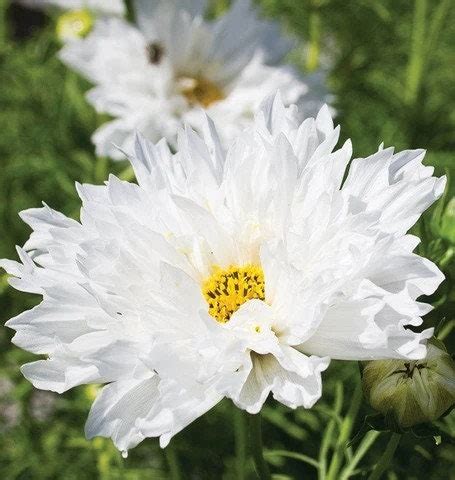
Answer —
200 91
74 24
227 289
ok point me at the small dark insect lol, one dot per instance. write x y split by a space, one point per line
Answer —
155 53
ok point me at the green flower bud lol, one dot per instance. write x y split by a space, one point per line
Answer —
412 392
74 24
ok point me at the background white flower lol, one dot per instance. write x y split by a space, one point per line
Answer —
157 76
108 7
226 274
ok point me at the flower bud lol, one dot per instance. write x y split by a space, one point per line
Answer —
412 392
74 24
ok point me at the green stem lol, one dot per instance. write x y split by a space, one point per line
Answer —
329 433
423 236
240 442
446 330
3 24
294 455
367 442
437 23
447 258
262 468
315 38
417 55
386 457
345 433
172 461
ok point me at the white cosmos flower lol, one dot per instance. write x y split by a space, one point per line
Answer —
233 274
159 75
107 7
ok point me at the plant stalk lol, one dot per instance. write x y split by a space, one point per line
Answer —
329 433
417 53
364 446
257 449
345 433
386 457
315 39
172 461
240 431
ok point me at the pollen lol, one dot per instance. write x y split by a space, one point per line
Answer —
227 289
200 91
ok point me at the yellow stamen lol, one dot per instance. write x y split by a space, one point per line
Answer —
74 24
200 91
227 289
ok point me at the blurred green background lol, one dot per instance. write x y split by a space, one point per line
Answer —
391 69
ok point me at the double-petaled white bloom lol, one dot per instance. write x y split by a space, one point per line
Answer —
159 75
106 7
233 274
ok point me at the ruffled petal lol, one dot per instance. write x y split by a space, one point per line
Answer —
399 186
293 378
366 330
60 374
119 407
178 408
133 409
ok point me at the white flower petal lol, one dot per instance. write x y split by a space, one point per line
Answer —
365 330
59 375
294 379
150 12
118 408
179 408
398 186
